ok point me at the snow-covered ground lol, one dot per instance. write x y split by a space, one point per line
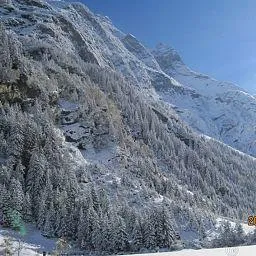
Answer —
212 233
31 242
234 251
25 249
247 229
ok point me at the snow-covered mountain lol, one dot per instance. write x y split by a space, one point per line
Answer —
221 110
96 134
218 109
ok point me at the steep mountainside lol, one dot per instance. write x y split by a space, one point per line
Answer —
89 151
219 109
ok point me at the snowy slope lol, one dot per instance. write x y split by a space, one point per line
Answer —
234 251
28 249
30 243
213 233
219 109
34 244
247 229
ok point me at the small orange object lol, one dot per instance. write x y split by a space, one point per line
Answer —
252 221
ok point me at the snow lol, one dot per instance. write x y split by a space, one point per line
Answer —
234 251
103 156
237 151
190 193
76 155
76 131
162 48
32 247
30 243
186 190
67 105
158 199
212 233
221 110
132 35
118 180
25 249
247 229
33 242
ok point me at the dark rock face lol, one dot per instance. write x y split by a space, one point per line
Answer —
86 131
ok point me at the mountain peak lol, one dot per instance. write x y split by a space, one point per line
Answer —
163 46
132 39
166 56
140 51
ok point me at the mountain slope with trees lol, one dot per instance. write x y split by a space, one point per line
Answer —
87 154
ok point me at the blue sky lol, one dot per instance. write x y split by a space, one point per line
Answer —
217 37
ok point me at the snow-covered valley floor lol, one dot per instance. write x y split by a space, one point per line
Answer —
31 243
234 251
34 250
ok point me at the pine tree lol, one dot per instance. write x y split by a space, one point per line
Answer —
96 235
90 222
49 226
239 234
95 198
27 208
150 231
137 236
120 236
107 235
5 58
62 226
5 204
42 210
17 195
252 237
226 237
81 229
35 178
19 172
167 230
104 200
